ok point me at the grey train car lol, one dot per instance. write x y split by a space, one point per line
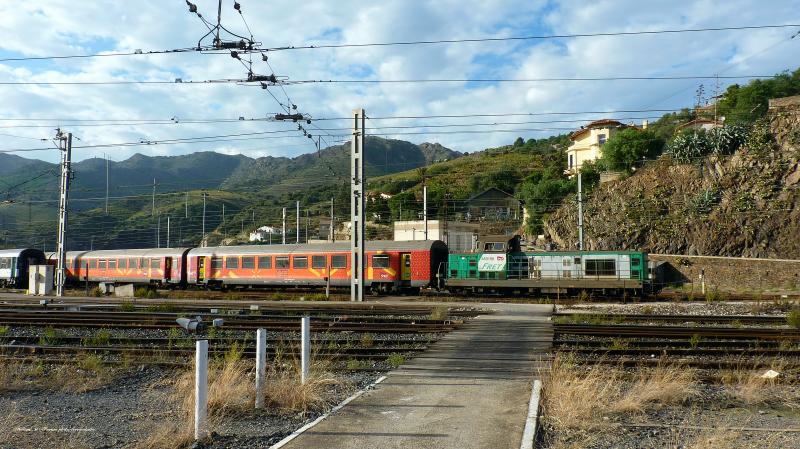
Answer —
14 265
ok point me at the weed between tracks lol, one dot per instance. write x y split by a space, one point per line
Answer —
589 404
87 372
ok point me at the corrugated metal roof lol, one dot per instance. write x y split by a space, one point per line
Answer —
375 245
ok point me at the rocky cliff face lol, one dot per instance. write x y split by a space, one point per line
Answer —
746 204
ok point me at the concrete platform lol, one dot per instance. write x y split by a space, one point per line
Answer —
470 390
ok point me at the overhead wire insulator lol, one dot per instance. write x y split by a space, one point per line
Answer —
192 6
237 7
235 54
270 78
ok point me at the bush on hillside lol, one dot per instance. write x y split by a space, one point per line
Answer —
629 146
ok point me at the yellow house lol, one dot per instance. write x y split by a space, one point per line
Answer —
587 143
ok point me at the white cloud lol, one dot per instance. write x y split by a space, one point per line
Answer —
68 27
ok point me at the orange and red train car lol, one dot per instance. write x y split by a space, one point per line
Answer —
389 265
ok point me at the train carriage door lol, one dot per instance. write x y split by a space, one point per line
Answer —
405 266
167 268
201 268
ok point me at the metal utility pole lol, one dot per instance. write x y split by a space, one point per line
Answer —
224 231
283 227
580 212
297 231
357 207
106 156
203 237
153 211
158 232
425 208
333 225
66 162
306 226
187 205
167 231
254 216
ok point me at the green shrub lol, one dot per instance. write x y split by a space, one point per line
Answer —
141 292
101 338
694 341
793 318
50 336
96 292
396 360
4 330
127 307
440 313
367 340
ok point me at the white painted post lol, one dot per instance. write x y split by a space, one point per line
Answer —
261 364
201 390
305 347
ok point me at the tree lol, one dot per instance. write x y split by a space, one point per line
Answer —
519 142
629 146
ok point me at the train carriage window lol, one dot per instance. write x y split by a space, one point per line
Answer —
132 263
380 261
565 262
577 261
318 262
83 263
265 262
5 263
473 262
112 264
101 264
216 262
155 263
601 267
635 262
123 264
232 262
248 262
282 262
300 261
93 263
339 261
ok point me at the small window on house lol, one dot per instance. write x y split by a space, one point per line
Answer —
102 264
571 160
282 262
300 261
339 261
112 264
232 262
216 262
380 261
155 263
248 262
318 262
601 139
265 262
93 263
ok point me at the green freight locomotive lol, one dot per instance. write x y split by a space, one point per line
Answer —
502 267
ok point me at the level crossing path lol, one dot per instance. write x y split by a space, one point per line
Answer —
471 389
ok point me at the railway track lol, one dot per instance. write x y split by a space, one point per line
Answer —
117 319
742 319
632 331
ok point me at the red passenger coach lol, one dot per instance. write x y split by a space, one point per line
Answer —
390 265
165 266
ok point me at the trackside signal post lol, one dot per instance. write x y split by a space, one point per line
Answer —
357 207
65 145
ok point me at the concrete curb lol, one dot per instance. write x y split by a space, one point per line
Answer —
299 431
529 434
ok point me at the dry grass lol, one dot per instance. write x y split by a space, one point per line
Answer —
747 386
169 435
577 398
88 372
285 392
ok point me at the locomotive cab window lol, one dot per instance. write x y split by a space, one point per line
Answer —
248 262
635 262
300 261
318 262
232 262
339 261
265 262
282 262
5 262
380 261
601 267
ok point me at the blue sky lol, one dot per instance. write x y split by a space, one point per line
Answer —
64 27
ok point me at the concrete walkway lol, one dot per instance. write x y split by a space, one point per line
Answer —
469 390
